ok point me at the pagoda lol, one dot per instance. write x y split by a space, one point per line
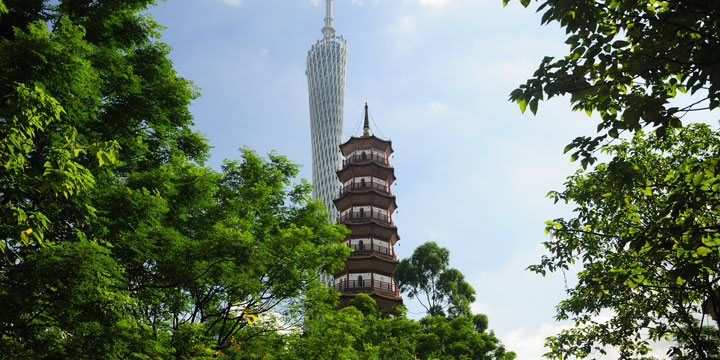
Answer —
366 204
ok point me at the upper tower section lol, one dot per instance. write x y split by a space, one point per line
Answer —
326 67
328 30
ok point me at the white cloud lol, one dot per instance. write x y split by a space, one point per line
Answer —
436 106
433 4
315 2
528 344
404 34
232 2
404 25
265 51
356 2
480 308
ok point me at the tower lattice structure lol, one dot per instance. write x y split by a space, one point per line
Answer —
326 66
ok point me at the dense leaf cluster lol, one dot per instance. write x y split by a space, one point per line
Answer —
116 242
425 276
628 61
645 229
647 232
351 333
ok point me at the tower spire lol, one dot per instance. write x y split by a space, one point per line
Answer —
328 30
366 127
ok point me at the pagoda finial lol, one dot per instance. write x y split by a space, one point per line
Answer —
366 127
328 30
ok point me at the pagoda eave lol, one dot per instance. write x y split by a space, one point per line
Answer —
366 142
369 263
369 197
368 168
374 229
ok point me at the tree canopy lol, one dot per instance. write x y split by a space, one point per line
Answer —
425 276
354 334
116 242
646 232
628 61
645 226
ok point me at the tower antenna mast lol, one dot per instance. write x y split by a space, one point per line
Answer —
328 30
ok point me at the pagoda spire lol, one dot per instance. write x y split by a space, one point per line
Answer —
328 30
366 126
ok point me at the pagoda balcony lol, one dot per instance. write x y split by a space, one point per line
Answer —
366 285
365 186
365 158
366 249
360 216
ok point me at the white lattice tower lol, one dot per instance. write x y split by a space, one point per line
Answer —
326 65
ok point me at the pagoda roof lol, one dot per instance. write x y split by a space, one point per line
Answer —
365 143
369 263
366 197
368 168
374 229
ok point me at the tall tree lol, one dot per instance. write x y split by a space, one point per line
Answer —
425 276
645 229
647 233
116 242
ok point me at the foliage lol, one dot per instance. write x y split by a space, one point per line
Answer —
350 334
458 338
711 342
365 304
117 242
646 223
646 231
628 61
426 277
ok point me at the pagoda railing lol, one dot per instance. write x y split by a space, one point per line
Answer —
364 158
364 248
364 186
364 215
366 284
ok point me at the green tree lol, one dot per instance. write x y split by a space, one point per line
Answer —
365 304
646 223
711 342
117 242
628 61
459 338
425 276
646 232
350 334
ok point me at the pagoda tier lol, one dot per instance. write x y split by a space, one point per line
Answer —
365 169
383 230
354 200
371 262
364 143
366 204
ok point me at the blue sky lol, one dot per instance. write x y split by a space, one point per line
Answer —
472 170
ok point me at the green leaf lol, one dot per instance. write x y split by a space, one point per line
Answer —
703 251
523 104
534 106
698 178
620 44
